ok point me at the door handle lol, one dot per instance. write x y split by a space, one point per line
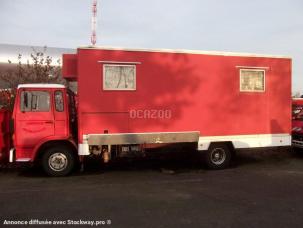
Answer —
49 122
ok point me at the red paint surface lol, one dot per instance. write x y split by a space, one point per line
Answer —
5 136
201 91
69 67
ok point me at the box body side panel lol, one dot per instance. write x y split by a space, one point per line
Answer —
183 92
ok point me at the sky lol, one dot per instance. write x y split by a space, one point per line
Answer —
259 26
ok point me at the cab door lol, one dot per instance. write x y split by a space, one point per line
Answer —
34 119
61 113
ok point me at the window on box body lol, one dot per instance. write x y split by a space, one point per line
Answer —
252 80
119 77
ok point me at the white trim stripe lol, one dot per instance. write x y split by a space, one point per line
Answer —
183 51
253 67
57 86
115 62
247 141
23 160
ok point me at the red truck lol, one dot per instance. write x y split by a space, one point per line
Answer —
5 136
129 100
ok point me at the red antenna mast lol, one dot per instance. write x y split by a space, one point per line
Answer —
94 23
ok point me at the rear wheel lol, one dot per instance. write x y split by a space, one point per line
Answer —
218 156
58 161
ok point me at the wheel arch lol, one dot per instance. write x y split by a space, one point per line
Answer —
43 147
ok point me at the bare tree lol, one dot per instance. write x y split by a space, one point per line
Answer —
38 69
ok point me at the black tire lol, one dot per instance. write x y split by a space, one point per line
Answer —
218 156
58 161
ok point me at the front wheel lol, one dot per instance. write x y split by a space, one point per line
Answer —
58 161
218 156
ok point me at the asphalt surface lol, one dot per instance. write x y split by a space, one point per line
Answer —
264 189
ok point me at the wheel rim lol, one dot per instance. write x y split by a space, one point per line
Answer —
57 162
218 156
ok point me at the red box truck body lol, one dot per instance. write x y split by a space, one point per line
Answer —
180 91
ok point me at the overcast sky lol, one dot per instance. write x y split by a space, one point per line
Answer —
258 26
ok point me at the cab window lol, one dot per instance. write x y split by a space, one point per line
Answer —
35 101
59 105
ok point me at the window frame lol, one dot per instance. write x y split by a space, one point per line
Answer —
253 91
120 89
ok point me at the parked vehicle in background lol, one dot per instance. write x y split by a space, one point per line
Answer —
5 136
130 100
297 123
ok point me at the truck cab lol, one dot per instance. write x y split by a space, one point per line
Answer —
44 120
